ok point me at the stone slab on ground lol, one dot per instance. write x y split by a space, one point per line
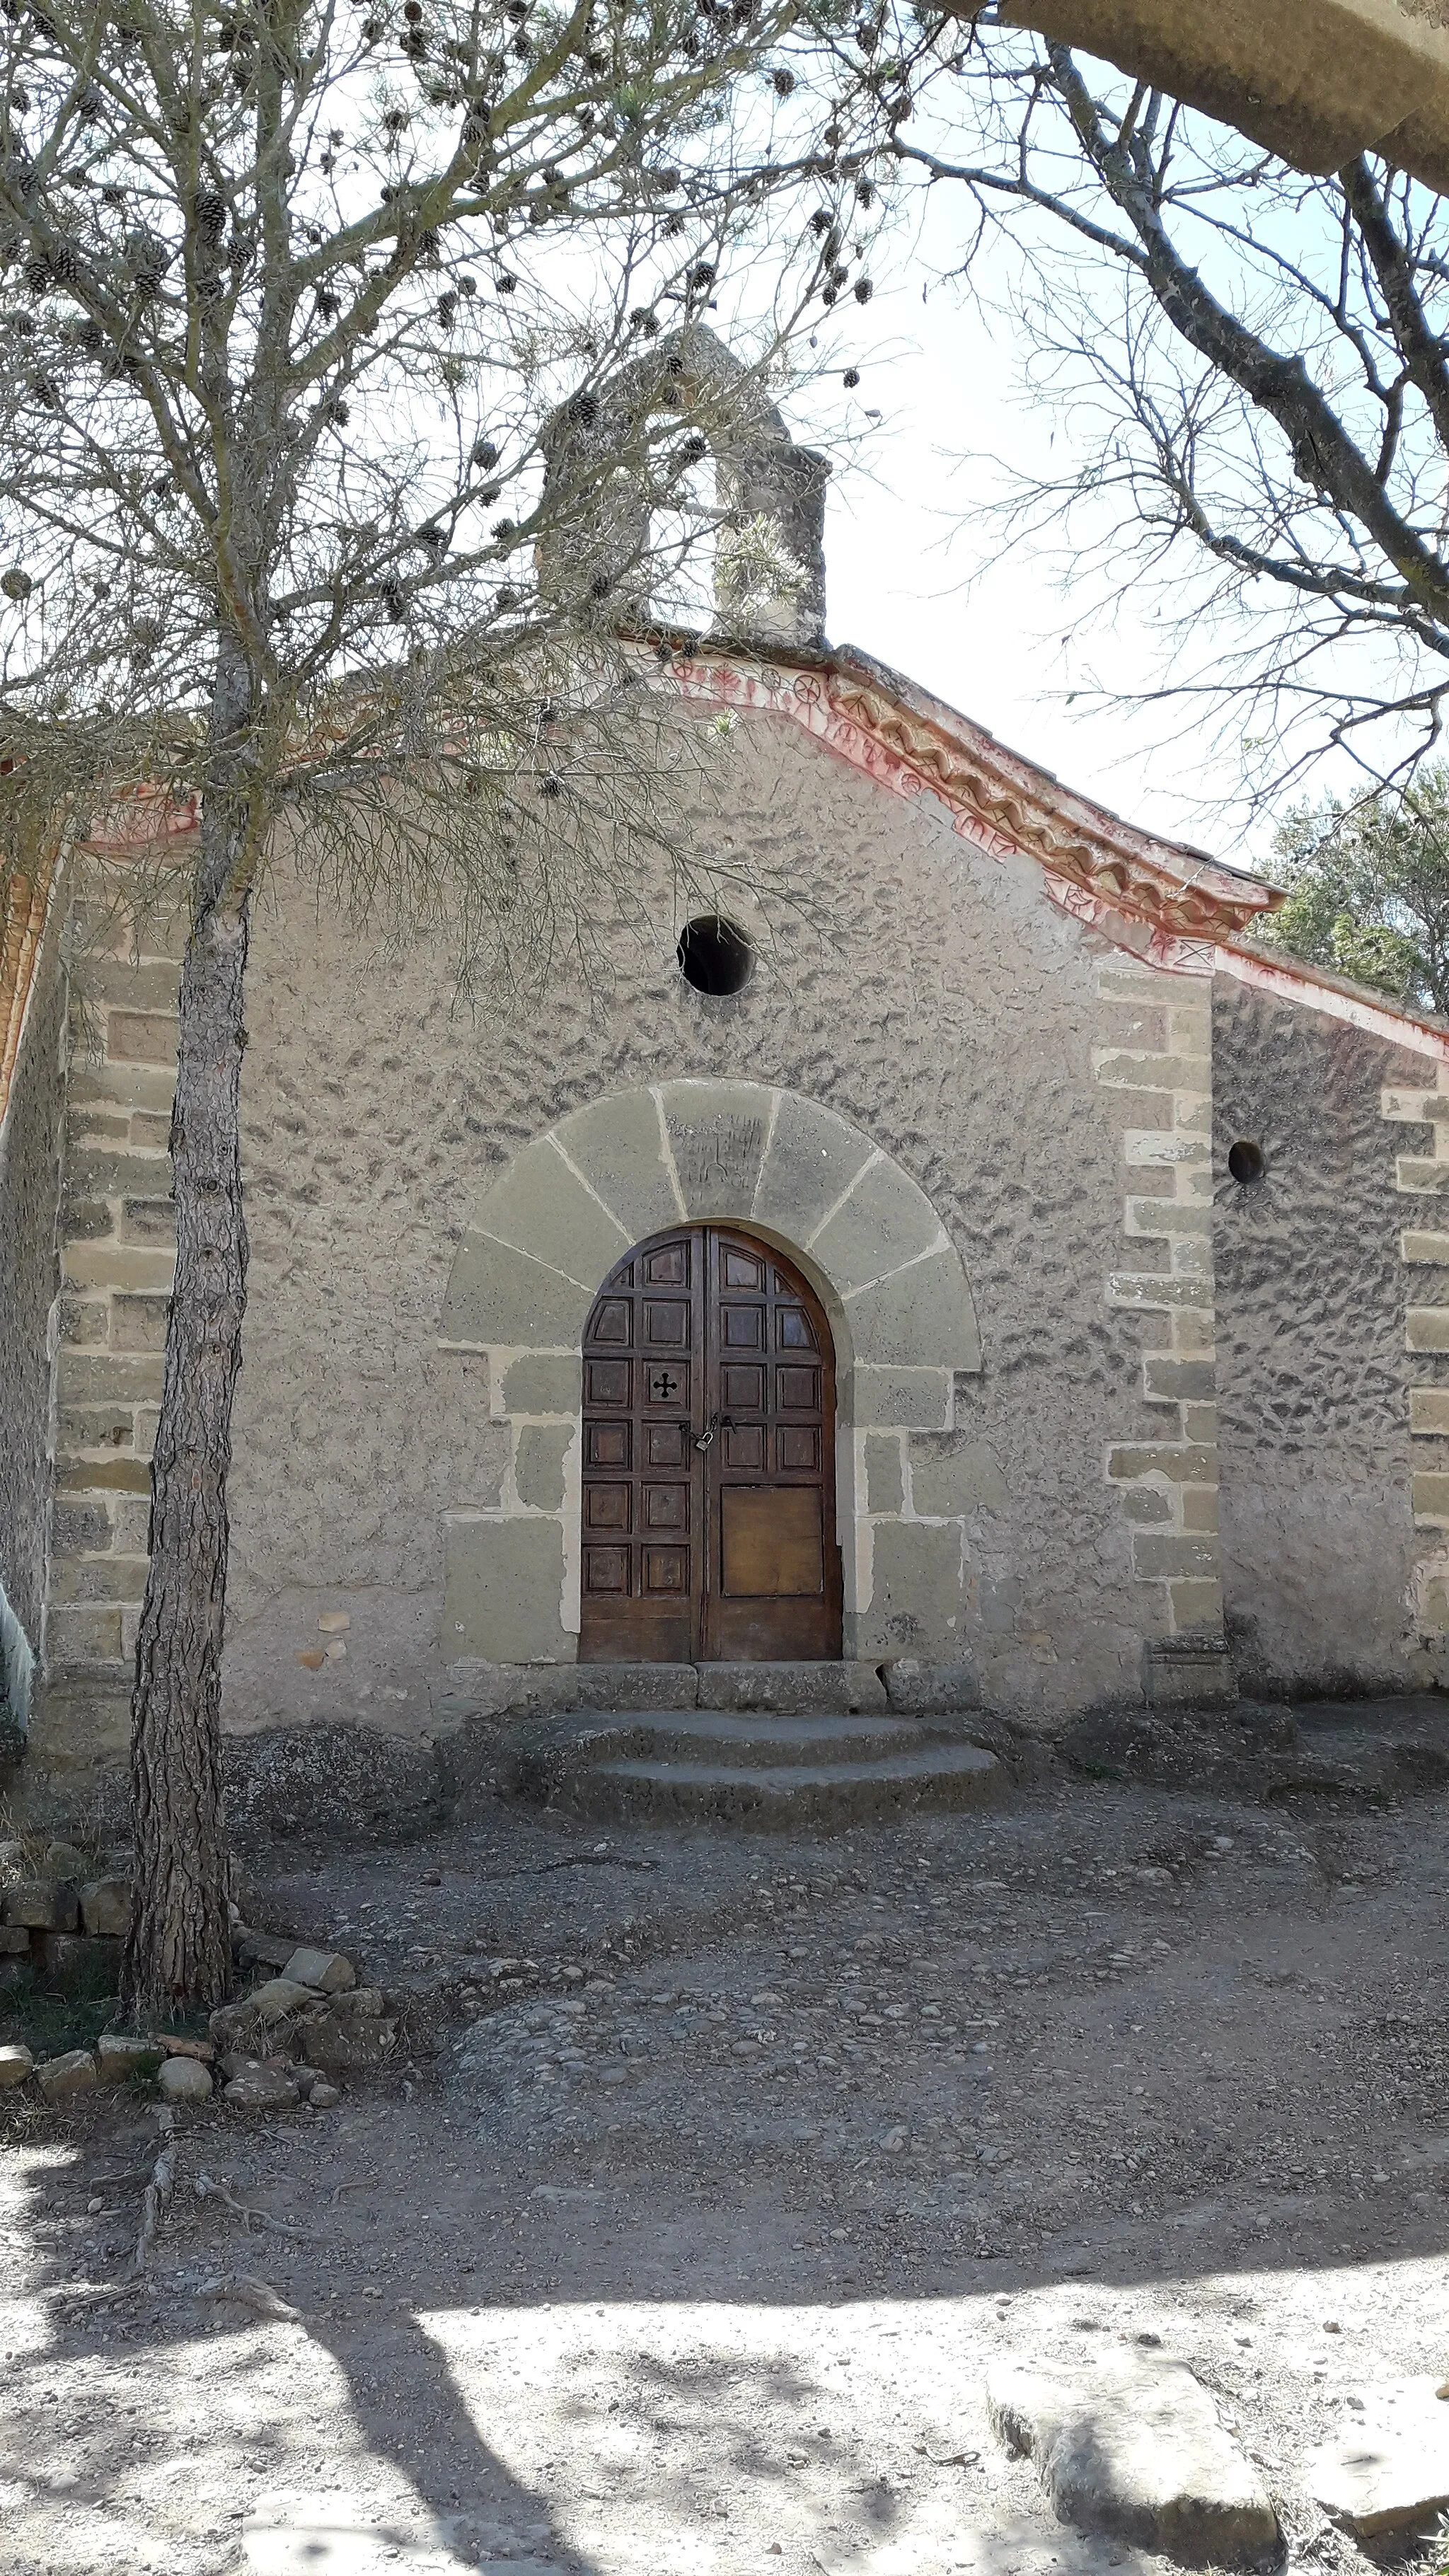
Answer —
119 2055
72 1958
278 1997
826 1796
105 1905
260 2088
16 2063
1136 2448
42 1904
1388 2469
72 2072
183 2079
326 1971
352 2032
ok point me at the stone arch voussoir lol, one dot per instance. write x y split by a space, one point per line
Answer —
633 1163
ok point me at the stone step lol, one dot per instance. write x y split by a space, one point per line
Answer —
792 1689
636 1789
759 1741
906 1687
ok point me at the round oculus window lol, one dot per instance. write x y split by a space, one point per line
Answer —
1246 1162
715 955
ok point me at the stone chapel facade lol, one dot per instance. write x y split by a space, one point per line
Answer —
1019 1270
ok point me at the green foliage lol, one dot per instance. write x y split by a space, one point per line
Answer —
50 2015
1368 889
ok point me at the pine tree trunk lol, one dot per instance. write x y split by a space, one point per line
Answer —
178 1949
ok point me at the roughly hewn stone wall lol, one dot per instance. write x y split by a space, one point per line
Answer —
1319 1542
30 1142
934 997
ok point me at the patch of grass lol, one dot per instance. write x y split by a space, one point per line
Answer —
86 1837
50 2017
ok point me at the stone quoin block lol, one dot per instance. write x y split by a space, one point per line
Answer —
1426 1328
1180 1462
1430 1496
916 1587
103 1475
97 1175
86 1377
148 1219
1429 1409
117 1265
543 1382
1175 1217
95 1426
79 1527
83 1635
503 1586
1156 1558
1129 1288
142 1037
916 1399
1174 1073
885 1486
105 1578
1417 1108
138 1323
1174 1381
151 985
538 1470
84 1320
1197 1605
130 1086
955 1476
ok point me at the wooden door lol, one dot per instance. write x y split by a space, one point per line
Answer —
709 1459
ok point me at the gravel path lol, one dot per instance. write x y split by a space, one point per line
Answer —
715 2169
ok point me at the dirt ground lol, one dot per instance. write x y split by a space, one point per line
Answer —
715 2168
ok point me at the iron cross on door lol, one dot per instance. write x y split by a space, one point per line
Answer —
708 1477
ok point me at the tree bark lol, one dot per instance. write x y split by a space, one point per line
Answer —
178 1948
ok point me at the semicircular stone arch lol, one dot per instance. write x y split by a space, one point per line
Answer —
633 1163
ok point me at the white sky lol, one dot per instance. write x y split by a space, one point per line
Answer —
909 569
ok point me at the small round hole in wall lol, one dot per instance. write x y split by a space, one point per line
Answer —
715 956
1246 1161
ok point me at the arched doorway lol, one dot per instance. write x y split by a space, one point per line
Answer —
708 1499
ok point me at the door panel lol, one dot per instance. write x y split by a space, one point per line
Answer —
771 1541
642 1473
708 1522
772 1578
